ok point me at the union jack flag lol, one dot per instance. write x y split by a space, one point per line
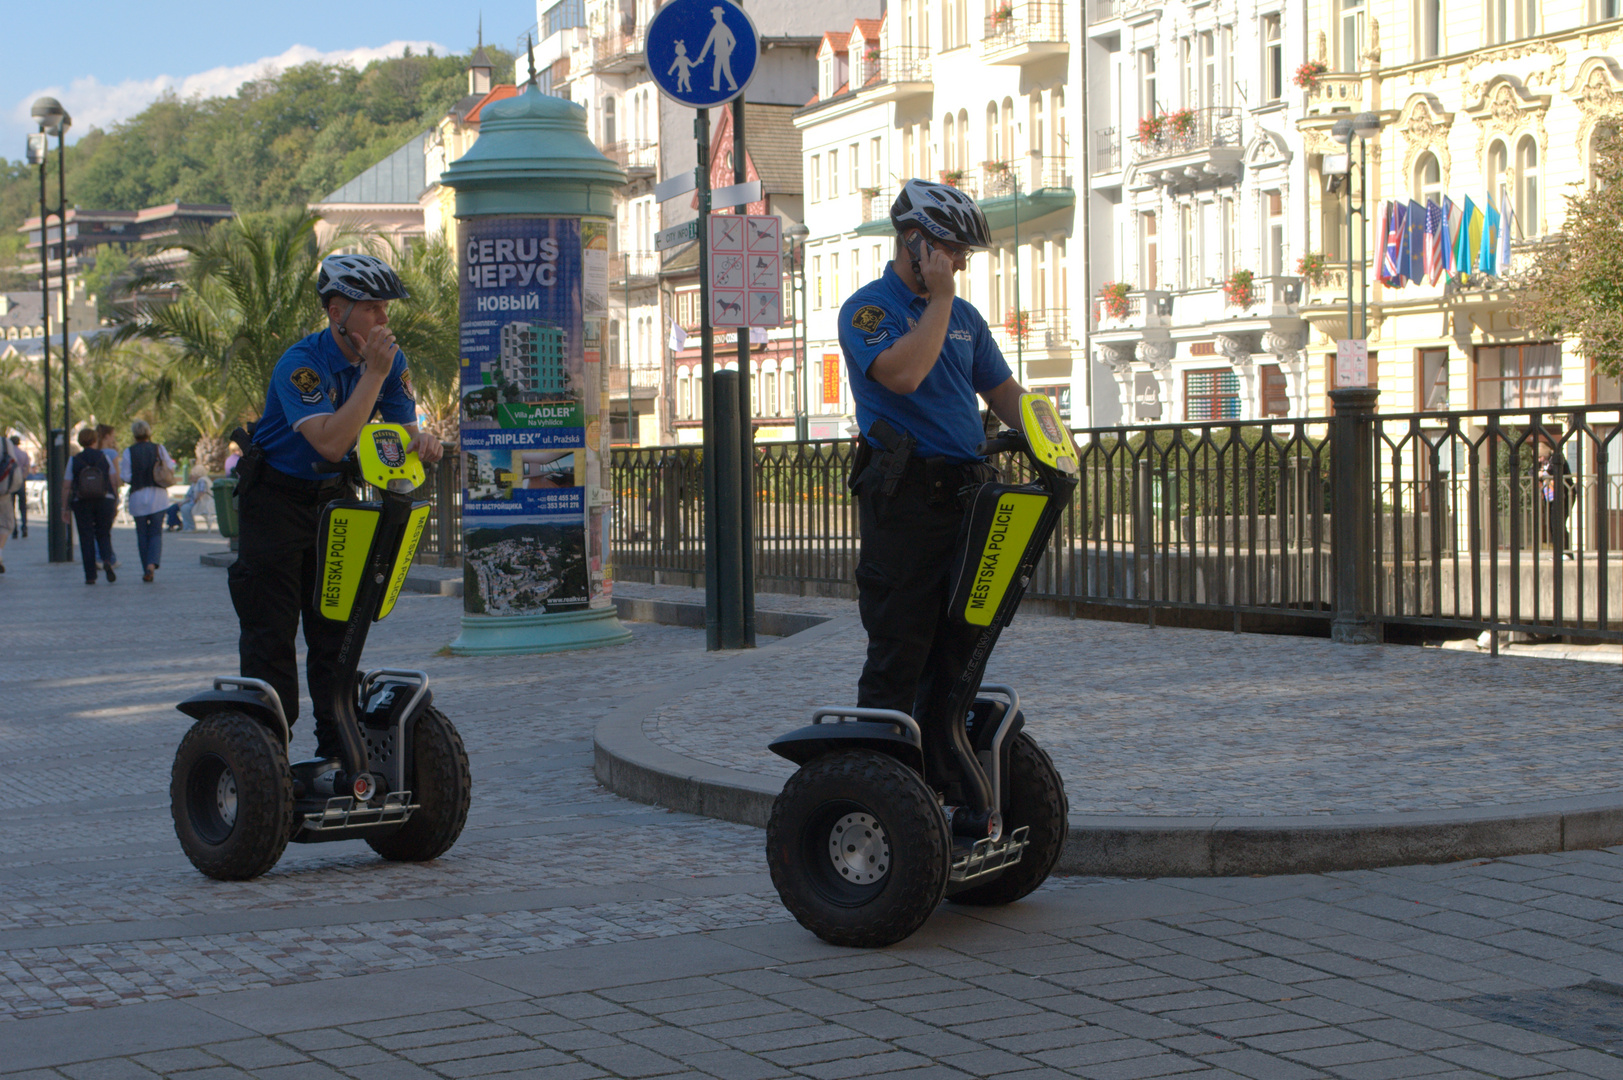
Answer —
1397 229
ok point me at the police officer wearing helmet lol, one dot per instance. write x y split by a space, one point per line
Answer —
917 357
322 391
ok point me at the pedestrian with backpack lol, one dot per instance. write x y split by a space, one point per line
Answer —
88 496
150 470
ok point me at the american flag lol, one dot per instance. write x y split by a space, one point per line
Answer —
1434 242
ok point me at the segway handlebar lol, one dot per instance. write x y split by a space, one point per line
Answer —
345 466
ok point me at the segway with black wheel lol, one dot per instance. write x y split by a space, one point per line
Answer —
401 779
860 847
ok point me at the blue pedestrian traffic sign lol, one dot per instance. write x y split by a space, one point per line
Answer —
702 52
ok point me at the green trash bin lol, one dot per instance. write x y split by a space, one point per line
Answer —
225 507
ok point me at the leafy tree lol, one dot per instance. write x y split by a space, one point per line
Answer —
113 383
427 328
22 399
247 296
1576 285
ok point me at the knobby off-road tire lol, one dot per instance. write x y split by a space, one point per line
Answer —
442 788
1036 800
231 795
883 884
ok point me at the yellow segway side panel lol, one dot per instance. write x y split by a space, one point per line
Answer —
403 557
1045 434
384 458
1000 525
347 532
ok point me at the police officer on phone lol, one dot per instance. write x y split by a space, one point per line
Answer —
322 391
917 357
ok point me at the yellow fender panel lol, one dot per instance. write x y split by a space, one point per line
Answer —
403 557
383 455
1013 521
345 545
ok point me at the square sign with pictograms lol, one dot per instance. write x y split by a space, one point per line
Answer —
746 269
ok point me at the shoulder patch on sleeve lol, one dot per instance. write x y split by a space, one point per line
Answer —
405 383
868 318
307 383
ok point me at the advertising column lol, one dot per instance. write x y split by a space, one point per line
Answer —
537 573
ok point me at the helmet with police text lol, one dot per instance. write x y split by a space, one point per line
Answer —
359 277
941 211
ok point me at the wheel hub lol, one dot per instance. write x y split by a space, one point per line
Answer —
859 849
225 798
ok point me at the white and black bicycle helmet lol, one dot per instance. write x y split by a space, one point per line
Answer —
942 211
359 277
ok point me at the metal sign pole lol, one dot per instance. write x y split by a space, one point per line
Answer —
707 369
746 428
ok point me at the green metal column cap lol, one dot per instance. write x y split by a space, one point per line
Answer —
533 156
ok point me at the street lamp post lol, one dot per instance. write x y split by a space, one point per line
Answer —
796 235
1364 127
53 119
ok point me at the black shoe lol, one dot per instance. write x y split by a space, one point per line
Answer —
107 568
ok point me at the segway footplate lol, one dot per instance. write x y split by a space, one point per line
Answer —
987 857
341 819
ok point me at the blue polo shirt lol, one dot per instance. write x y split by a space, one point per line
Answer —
943 414
314 378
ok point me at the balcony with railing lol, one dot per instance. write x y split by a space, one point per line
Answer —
1106 152
1021 33
1336 92
639 158
1034 330
899 73
614 54
1189 145
1140 309
1209 305
1101 11
876 204
633 268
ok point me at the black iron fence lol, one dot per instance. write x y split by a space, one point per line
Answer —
441 543
1439 521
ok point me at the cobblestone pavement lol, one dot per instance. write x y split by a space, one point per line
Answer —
1198 722
574 934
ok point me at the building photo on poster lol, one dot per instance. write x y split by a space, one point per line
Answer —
526 407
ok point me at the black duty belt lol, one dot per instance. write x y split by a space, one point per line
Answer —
314 491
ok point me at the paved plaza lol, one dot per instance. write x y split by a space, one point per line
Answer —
573 933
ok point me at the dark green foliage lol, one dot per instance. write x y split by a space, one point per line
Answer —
286 140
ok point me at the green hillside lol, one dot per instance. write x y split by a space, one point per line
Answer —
284 140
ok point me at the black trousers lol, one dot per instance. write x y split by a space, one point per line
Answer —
273 588
94 518
915 651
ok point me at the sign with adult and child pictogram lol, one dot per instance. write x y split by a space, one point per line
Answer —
702 52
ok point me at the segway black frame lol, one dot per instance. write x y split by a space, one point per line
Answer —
982 751
365 590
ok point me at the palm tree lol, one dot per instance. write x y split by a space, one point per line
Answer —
247 296
427 328
114 382
22 398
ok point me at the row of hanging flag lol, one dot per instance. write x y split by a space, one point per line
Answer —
1422 243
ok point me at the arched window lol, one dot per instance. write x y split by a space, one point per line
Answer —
994 147
608 120
1527 207
1428 180
1428 26
949 148
1006 130
1498 162
1499 12
963 138
1602 131
1038 131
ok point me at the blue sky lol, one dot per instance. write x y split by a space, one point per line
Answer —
106 61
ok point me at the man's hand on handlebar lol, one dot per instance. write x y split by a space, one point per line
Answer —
425 446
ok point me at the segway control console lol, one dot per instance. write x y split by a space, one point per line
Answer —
860 846
401 779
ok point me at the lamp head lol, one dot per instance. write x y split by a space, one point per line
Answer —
1366 125
52 117
1342 131
797 232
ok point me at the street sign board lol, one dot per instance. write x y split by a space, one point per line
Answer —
1352 362
676 234
746 269
672 186
702 52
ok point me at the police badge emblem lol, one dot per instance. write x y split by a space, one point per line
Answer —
868 318
389 449
307 383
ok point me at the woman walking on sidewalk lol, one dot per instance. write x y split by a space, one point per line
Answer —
150 470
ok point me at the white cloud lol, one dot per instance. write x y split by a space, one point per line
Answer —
93 104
